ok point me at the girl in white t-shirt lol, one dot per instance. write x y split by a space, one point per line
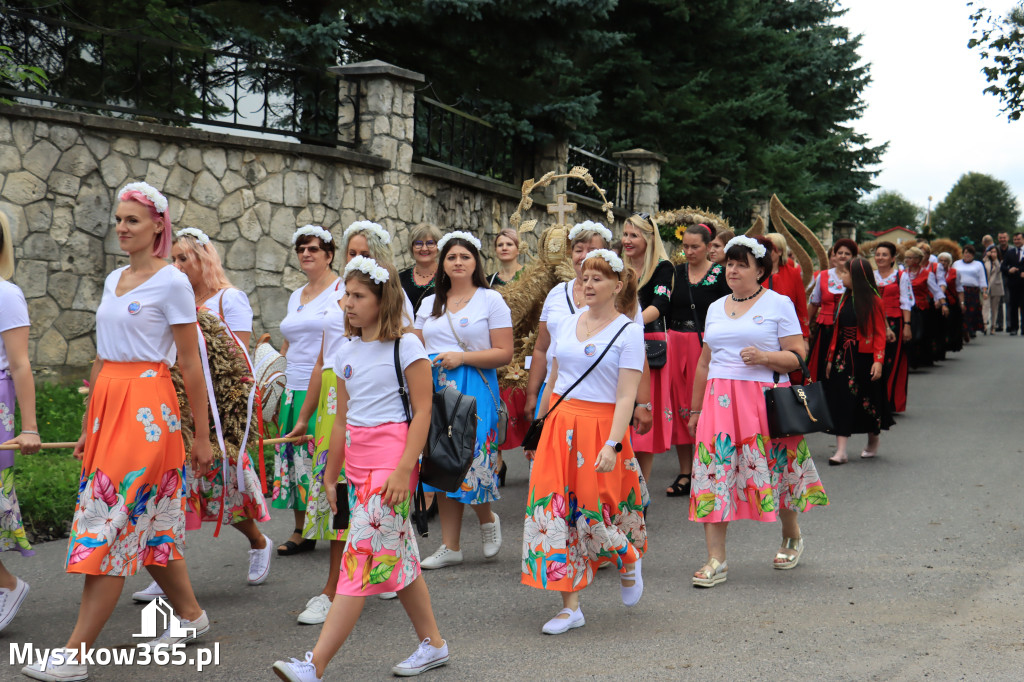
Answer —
131 507
378 437
369 240
17 389
466 328
303 329
586 497
751 339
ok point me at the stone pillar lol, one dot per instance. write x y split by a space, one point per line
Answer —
552 156
647 167
381 102
844 229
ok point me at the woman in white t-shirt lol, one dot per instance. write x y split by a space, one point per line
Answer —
466 328
131 504
378 437
303 329
370 240
973 284
752 339
586 495
17 389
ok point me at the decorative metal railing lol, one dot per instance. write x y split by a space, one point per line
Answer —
617 179
134 76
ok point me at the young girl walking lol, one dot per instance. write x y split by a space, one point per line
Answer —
379 442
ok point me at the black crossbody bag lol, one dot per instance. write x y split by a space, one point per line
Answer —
532 437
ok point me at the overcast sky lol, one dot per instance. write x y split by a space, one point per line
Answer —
926 98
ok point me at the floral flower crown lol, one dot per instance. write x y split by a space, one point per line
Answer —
591 226
609 256
458 234
368 267
314 230
755 247
149 191
195 233
367 226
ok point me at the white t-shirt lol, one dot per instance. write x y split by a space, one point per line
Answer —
368 370
485 311
13 314
304 331
237 311
970 275
575 356
334 333
770 318
136 327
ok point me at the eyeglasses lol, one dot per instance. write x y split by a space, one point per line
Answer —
311 248
419 244
643 216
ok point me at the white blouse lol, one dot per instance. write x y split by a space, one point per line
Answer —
771 318
485 311
835 285
970 274
575 357
906 290
13 314
136 326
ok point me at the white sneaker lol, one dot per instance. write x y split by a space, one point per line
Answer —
201 626
388 595
52 671
631 595
259 563
441 558
149 594
296 670
557 626
490 533
316 610
10 602
423 659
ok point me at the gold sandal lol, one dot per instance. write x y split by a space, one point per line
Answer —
714 571
785 560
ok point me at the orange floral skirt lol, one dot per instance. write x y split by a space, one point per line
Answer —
131 497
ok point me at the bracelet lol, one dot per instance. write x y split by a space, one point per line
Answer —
34 433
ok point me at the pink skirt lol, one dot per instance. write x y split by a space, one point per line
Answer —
739 472
659 438
683 353
380 553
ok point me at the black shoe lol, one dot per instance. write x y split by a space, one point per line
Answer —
998 329
501 474
1013 333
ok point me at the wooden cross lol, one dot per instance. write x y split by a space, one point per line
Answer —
561 208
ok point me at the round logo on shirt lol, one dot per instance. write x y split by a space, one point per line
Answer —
758 319
347 371
464 322
590 350
134 307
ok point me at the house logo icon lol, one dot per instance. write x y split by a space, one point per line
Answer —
157 617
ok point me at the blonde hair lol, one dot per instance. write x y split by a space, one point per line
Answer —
209 262
392 304
625 301
779 242
423 231
913 252
656 253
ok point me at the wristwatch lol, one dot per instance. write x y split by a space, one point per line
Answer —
614 445
648 406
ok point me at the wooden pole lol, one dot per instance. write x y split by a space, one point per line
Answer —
70 446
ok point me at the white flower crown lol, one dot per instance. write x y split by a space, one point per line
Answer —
194 232
368 267
150 192
609 256
591 226
367 226
458 234
755 247
314 230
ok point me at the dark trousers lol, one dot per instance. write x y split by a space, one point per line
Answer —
1014 308
998 322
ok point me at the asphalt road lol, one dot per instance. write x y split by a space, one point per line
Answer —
914 571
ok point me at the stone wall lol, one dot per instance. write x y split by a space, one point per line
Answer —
60 171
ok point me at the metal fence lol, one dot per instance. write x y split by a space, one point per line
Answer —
617 179
454 138
135 76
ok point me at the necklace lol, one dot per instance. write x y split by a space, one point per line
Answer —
576 299
745 298
419 274
600 326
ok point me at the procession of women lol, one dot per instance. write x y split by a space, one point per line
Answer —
641 354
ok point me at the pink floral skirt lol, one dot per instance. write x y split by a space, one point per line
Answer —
380 553
739 471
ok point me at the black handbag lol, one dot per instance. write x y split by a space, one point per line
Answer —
797 410
657 353
532 437
340 521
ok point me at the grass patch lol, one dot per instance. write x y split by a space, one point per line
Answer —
47 482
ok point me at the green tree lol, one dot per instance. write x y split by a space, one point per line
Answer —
890 209
977 205
1000 43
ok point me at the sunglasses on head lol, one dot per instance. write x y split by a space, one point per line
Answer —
311 248
643 216
419 243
